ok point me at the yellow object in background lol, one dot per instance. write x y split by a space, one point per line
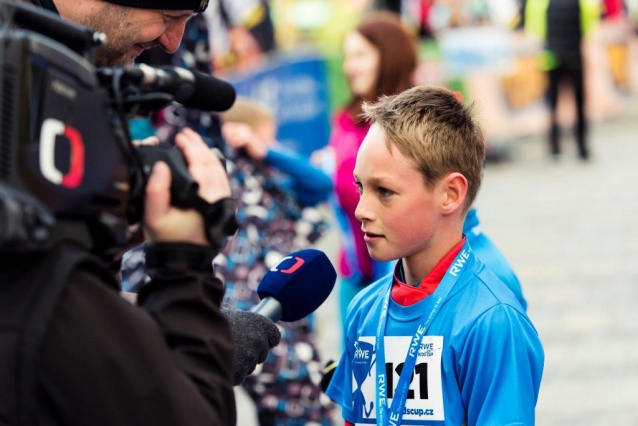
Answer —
321 23
617 55
527 85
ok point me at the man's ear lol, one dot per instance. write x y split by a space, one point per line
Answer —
454 187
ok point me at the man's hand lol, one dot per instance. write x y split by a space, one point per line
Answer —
253 335
165 223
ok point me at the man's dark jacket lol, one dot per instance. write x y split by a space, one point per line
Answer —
73 352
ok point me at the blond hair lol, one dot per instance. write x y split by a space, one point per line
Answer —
435 131
250 112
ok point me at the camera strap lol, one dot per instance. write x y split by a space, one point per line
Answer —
220 220
47 4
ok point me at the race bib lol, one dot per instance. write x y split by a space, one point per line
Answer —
425 396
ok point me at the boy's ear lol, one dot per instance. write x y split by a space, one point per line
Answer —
454 187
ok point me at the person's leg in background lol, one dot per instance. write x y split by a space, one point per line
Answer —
581 122
555 76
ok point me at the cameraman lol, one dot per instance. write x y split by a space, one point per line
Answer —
103 361
75 352
131 26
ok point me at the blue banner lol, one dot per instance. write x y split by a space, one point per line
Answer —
294 86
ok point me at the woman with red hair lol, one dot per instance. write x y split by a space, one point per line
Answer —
379 59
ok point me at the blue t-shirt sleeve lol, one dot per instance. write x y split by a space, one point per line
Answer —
501 368
340 388
310 185
338 382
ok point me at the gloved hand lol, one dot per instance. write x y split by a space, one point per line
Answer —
253 335
326 375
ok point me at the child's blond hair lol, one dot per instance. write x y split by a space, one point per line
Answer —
435 131
250 112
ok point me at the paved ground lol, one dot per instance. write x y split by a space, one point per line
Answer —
570 229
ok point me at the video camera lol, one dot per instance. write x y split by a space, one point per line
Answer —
68 168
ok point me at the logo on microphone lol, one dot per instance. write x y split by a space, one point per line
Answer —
291 270
51 129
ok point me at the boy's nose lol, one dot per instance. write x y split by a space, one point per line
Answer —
363 212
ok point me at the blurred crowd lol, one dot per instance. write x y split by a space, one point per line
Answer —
253 27
480 48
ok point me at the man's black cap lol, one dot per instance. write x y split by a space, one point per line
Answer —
196 5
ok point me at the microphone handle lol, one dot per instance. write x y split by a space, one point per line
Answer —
270 308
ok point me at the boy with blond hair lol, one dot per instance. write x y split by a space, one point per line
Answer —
441 340
250 128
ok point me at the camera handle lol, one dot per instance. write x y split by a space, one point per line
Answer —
219 217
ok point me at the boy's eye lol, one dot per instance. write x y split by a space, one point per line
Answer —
383 192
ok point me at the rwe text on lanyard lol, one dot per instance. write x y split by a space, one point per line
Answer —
393 417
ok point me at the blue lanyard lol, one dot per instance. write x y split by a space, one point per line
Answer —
400 395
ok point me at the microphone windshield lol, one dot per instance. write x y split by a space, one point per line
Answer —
210 94
301 282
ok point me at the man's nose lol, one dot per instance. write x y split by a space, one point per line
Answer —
172 37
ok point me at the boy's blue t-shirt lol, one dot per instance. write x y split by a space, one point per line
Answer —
480 362
489 254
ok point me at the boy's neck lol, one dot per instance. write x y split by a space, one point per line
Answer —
418 266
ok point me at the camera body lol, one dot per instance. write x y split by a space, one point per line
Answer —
68 169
